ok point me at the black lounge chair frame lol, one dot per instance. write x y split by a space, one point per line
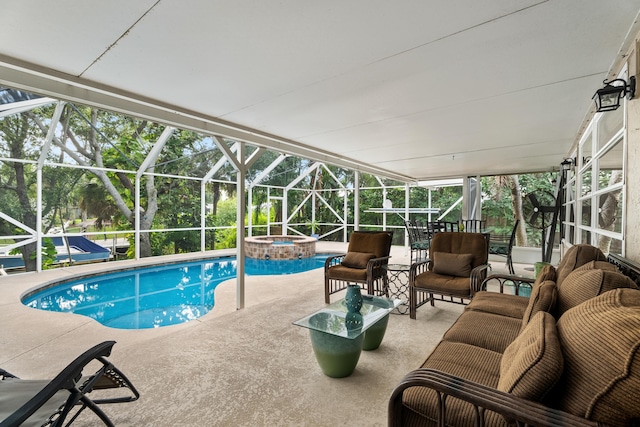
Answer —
71 380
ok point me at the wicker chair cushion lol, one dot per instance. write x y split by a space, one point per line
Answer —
466 361
496 303
447 285
340 272
576 256
543 298
375 243
533 363
582 285
479 329
601 343
448 264
357 259
462 243
506 304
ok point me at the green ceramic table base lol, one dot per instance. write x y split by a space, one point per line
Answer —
338 335
336 356
374 335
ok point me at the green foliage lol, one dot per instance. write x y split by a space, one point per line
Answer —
49 253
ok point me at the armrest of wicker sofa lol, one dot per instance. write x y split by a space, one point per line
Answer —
502 279
522 411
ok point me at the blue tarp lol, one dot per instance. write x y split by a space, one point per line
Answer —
80 242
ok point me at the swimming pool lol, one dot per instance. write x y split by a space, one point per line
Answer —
156 296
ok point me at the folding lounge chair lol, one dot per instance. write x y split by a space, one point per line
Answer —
51 403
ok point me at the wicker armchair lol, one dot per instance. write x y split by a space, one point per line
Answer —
363 263
456 270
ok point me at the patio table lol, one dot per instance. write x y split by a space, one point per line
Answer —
338 336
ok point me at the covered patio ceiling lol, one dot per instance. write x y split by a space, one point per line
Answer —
410 89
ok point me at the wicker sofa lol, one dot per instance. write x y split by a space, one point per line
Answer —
567 356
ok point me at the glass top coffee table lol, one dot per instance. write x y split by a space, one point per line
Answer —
338 336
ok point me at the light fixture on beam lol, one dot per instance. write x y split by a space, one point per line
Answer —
608 98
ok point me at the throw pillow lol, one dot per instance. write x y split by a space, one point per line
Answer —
601 343
576 256
548 272
582 285
357 259
448 264
598 265
543 298
533 363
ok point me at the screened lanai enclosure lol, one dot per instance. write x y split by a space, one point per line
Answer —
83 184
138 188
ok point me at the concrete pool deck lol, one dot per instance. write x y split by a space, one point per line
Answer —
248 367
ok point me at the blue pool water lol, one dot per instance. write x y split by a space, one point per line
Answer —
156 296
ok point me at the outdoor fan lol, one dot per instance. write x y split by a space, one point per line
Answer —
538 210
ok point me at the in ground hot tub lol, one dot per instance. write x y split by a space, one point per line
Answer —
280 247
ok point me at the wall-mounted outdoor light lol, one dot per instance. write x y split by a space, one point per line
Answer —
608 98
567 164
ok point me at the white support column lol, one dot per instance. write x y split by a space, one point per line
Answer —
407 205
383 204
240 229
472 198
203 215
268 233
356 205
285 216
250 210
238 164
478 206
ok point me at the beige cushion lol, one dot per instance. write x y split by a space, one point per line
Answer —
357 259
543 298
378 243
532 364
576 256
582 285
598 265
601 344
462 360
548 272
462 243
484 330
497 303
340 272
458 265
